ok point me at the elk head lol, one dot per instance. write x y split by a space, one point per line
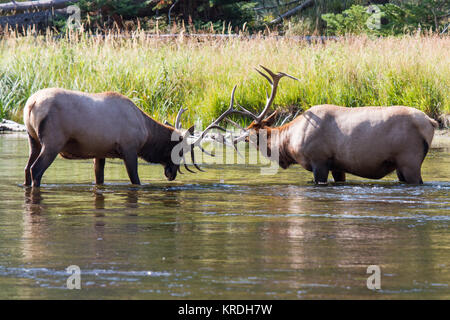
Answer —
259 121
180 146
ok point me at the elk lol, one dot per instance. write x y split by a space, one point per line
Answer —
80 125
368 142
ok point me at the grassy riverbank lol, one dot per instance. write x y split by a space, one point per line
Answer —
159 76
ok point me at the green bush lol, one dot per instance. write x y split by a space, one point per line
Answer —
351 21
388 19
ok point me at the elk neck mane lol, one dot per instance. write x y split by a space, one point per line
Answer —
285 159
158 147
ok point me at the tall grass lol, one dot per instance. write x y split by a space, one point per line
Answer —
160 76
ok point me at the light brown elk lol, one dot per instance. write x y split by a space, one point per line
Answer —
369 142
79 125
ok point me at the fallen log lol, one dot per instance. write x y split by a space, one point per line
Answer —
35 5
289 13
25 20
277 6
8 125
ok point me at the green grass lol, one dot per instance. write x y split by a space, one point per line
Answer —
160 76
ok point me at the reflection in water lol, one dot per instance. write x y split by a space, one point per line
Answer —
264 237
34 223
33 198
132 198
99 198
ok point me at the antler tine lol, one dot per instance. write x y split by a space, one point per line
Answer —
218 127
245 112
237 150
204 151
187 168
274 84
232 97
270 72
167 123
264 75
178 118
233 144
193 158
234 123
230 110
285 119
185 165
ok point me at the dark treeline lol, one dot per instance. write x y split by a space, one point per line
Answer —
299 16
285 16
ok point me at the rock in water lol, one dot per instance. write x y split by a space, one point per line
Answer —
8 125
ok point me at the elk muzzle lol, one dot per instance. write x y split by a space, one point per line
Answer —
170 171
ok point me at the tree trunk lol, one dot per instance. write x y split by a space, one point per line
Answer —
289 13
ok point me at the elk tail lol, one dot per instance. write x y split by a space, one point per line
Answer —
433 122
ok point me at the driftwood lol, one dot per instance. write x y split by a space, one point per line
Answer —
292 11
33 13
35 5
8 125
39 18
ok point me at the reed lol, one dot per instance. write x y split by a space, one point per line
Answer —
161 75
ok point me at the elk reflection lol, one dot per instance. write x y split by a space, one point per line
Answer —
132 199
99 198
33 199
35 224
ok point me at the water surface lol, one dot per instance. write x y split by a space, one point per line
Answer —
228 233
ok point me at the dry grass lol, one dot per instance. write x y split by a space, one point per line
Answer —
159 76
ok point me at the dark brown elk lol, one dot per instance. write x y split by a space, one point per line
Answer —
79 125
369 142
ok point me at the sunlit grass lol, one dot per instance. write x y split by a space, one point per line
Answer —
160 76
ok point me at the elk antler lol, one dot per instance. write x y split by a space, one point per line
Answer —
230 110
178 118
273 80
190 131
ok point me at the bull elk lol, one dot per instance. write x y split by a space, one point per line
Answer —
79 125
369 142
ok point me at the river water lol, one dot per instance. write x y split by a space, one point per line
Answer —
228 233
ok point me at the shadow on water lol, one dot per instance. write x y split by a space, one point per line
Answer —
221 234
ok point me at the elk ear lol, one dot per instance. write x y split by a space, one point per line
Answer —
188 132
271 119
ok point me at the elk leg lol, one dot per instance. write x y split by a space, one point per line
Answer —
41 164
411 174
99 168
400 176
320 174
35 149
131 163
338 176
